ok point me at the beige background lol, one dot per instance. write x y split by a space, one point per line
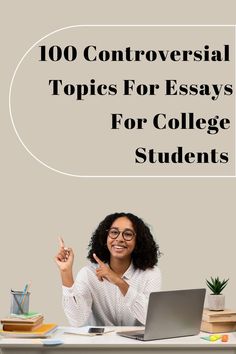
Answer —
193 219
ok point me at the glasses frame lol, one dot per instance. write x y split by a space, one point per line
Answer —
121 232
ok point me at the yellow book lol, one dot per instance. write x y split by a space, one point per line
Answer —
43 331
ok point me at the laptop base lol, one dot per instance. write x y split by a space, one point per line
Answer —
133 334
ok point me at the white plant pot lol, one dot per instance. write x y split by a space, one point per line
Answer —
216 302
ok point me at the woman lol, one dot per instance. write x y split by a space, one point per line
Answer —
113 290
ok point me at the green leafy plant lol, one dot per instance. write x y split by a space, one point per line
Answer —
216 285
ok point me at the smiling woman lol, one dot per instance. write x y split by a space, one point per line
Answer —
113 290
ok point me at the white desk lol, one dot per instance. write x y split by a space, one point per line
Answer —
112 343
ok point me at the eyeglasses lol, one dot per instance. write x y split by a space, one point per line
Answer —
127 234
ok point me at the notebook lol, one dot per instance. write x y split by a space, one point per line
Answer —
170 314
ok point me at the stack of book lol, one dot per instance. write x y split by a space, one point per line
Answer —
26 325
25 322
218 321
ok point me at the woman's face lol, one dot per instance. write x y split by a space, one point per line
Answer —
123 245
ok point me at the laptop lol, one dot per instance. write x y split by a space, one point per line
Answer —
171 314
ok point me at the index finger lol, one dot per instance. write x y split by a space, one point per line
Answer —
97 259
61 242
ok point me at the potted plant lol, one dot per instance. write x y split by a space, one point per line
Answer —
216 300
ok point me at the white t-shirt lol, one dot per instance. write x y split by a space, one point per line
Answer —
101 303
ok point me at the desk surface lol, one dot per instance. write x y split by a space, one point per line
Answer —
113 343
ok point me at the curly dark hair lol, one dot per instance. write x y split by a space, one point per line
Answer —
146 252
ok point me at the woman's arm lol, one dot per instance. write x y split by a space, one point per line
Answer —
136 300
76 299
